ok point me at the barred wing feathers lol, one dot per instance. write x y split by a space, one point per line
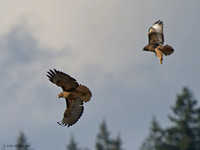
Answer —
73 112
61 79
155 33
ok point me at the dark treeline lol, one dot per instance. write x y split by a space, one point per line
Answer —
182 134
103 140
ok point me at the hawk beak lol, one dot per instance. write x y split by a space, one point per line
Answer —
144 49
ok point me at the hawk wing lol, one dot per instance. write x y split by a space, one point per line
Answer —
73 112
75 107
155 33
61 79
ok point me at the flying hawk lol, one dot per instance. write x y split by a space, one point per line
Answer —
156 40
75 94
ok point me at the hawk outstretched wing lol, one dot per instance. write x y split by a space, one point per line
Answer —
73 112
61 79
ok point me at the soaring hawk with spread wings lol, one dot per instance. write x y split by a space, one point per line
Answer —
156 40
75 94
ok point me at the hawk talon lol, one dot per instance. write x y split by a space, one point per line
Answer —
60 123
161 61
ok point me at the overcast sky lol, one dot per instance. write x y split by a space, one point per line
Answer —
100 44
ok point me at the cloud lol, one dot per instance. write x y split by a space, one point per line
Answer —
99 43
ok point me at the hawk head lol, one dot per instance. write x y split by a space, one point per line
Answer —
145 48
150 47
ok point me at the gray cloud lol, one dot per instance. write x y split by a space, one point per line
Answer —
101 47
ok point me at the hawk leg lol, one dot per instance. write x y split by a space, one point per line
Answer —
159 54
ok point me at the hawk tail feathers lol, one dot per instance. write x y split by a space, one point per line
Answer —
84 93
166 50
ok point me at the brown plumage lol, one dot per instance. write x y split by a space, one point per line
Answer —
73 93
156 40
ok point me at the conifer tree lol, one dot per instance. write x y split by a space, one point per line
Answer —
117 143
103 138
22 143
104 142
72 144
184 134
155 139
